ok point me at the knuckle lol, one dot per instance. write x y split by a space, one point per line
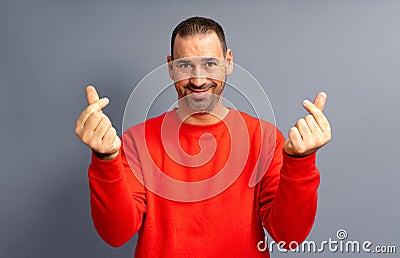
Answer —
88 110
92 108
107 121
309 117
292 132
96 115
320 139
117 144
110 134
96 144
329 130
327 137
77 130
85 139
114 145
113 131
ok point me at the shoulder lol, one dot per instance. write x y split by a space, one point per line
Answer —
259 127
255 123
153 123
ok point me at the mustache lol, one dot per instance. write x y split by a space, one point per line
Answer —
205 86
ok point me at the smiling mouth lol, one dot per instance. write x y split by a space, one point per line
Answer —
199 93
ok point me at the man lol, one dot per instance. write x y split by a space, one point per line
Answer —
213 219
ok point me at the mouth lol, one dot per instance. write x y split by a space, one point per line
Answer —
200 93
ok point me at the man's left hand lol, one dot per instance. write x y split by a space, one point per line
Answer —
311 132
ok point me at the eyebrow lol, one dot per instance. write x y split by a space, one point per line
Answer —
203 59
179 61
208 59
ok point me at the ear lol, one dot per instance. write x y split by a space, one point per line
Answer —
170 68
229 62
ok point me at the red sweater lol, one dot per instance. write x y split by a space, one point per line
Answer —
183 220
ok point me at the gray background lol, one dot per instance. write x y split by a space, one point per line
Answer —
49 51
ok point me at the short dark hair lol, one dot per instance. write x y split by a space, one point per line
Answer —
198 26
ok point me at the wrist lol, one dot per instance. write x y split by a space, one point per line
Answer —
106 156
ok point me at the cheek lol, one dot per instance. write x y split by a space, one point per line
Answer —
180 86
219 84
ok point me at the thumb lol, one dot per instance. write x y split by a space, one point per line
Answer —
320 100
91 95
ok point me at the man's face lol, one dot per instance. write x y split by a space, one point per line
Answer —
199 71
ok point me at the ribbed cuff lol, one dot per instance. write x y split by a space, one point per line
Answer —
106 170
299 167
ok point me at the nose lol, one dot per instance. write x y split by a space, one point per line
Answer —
198 80
198 77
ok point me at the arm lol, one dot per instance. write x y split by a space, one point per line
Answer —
117 199
288 196
288 191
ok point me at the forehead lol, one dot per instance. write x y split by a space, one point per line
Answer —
198 45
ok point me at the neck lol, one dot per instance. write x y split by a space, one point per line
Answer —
217 114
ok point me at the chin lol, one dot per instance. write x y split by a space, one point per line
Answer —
202 106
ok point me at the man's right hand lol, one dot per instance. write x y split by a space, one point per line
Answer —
94 128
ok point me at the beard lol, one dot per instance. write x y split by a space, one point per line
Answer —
203 104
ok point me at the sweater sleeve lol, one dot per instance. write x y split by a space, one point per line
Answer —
117 199
288 196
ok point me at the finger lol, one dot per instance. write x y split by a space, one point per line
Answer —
320 100
312 124
95 107
317 114
302 127
91 95
294 138
91 124
102 127
111 138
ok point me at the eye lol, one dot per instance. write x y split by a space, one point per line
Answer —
184 65
211 64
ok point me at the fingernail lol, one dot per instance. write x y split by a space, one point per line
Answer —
106 100
306 101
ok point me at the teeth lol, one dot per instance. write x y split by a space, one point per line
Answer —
202 93
199 94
